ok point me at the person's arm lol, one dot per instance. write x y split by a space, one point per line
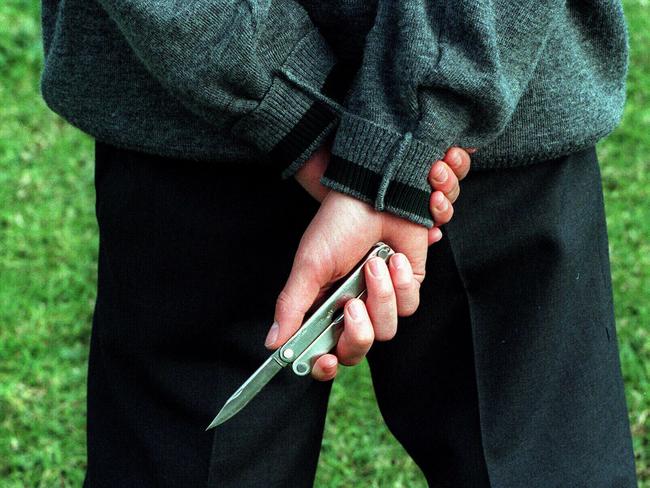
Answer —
444 179
434 75
251 67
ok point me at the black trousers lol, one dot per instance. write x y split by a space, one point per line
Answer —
507 376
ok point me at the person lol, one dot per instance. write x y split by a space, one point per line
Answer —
505 370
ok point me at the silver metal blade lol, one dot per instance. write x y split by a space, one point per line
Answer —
247 391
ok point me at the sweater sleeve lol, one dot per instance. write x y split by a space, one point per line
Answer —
434 75
259 68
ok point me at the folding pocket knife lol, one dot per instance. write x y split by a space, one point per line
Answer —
317 336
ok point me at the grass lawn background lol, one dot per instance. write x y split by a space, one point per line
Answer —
48 242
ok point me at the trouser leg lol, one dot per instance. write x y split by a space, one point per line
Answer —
425 383
530 247
192 256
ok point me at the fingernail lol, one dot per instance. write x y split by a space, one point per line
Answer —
456 159
331 363
402 277
355 309
399 260
440 174
442 206
272 335
438 198
376 269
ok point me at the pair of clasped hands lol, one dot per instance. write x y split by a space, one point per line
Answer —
339 235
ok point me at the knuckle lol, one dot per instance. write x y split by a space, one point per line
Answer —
284 297
410 302
419 278
363 342
388 329
384 296
450 212
286 304
402 286
441 218
444 216
409 309
448 185
383 292
283 301
453 193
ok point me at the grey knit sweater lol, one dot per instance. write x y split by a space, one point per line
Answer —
394 82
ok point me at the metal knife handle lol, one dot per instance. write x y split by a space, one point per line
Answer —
320 330
323 344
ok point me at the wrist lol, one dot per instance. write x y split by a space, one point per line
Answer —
310 173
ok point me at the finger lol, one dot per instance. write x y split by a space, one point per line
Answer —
325 368
310 173
405 286
413 245
441 209
297 296
459 161
381 302
435 234
443 179
358 334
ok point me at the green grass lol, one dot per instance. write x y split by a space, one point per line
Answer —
48 241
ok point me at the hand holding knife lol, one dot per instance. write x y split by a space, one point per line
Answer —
317 336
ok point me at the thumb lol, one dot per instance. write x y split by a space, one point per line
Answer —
297 296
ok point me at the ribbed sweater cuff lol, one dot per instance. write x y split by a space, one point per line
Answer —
384 168
290 123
